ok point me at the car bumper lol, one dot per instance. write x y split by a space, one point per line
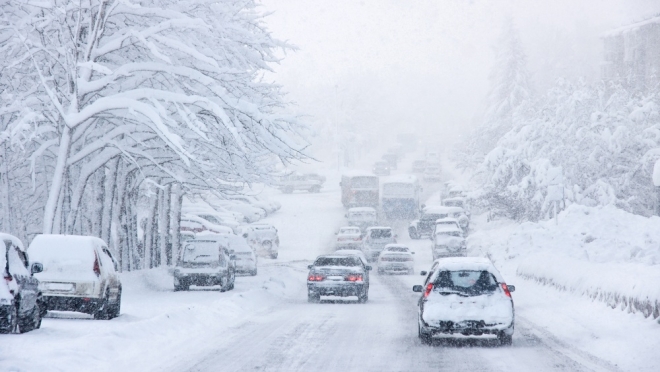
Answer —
199 279
342 289
445 254
467 328
69 303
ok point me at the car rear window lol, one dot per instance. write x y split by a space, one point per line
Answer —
465 282
201 252
397 249
364 182
381 233
337 261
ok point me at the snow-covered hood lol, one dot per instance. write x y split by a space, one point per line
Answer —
493 309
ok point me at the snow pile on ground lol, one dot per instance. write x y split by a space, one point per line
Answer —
600 252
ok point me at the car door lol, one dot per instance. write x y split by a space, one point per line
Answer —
18 267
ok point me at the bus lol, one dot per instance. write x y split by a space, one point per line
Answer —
359 189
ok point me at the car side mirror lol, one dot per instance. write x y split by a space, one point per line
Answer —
422 273
310 266
36 268
512 288
368 267
417 288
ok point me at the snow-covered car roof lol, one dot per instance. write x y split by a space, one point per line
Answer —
358 173
361 209
16 241
441 209
467 263
400 178
446 228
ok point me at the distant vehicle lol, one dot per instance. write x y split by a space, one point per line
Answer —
362 217
448 241
79 274
447 221
432 173
311 182
381 168
396 258
400 197
246 257
338 275
454 202
375 240
359 189
391 158
455 192
419 166
425 225
21 303
205 262
465 297
432 157
268 207
192 222
262 237
250 213
349 237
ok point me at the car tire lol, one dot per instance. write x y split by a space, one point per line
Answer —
273 255
31 322
425 338
313 297
504 339
253 272
364 297
115 308
102 312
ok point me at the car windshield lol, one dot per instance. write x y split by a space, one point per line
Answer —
466 282
201 252
337 261
431 217
397 249
398 188
449 233
381 233
362 215
364 182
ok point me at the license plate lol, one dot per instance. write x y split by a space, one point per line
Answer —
60 287
335 278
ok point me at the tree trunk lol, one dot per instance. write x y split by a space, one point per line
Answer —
176 222
56 184
99 191
109 197
164 224
150 232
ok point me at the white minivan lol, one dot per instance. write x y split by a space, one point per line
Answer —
79 274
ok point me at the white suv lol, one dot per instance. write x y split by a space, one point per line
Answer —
79 274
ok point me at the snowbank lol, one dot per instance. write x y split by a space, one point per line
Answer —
600 252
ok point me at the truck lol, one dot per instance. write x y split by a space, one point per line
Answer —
400 197
359 189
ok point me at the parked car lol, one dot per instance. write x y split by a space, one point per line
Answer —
190 220
466 297
396 258
338 275
419 166
432 157
360 189
448 241
362 217
214 217
391 158
21 302
375 240
79 274
311 182
262 237
268 207
349 237
246 257
381 168
205 261
251 214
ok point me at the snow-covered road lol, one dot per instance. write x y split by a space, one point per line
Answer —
266 324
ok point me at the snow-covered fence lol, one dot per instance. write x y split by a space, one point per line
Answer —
630 287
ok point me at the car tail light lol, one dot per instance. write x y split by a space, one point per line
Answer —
506 290
8 277
97 268
315 277
354 278
429 288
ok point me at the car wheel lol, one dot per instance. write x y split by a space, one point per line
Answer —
425 338
273 255
30 322
364 296
504 339
253 272
313 297
115 308
102 312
